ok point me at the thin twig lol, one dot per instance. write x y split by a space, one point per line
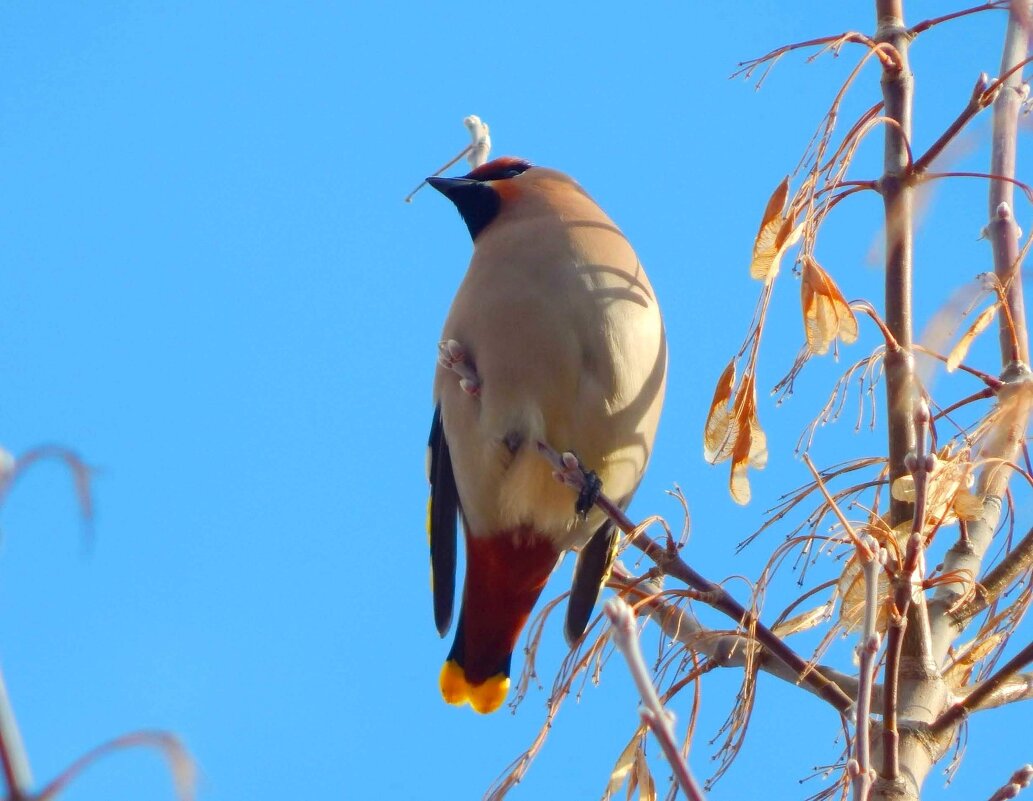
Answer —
986 176
834 43
1002 230
13 760
925 25
1016 563
979 100
861 772
991 381
722 649
983 394
862 546
971 702
1019 780
181 764
654 715
476 152
669 562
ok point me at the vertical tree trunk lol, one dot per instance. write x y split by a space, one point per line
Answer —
903 756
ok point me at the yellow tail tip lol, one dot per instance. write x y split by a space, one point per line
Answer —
484 697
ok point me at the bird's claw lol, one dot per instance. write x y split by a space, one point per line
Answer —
452 356
589 493
587 482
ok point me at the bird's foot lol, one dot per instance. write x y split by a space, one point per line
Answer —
587 482
452 356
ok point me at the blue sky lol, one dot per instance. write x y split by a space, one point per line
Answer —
212 291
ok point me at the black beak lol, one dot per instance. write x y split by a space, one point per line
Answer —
450 187
477 202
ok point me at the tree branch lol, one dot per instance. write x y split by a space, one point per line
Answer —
1019 780
1017 562
925 25
967 554
722 649
973 701
13 761
860 767
897 194
654 715
912 688
979 100
669 562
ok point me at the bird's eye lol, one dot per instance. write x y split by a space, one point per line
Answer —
499 170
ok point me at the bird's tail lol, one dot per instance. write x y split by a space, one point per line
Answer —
505 574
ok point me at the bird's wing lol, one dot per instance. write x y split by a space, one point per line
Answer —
590 573
441 524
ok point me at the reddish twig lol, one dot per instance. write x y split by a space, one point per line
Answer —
986 176
180 763
971 702
982 96
833 43
669 562
925 25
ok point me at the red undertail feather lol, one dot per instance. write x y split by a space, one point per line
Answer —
505 574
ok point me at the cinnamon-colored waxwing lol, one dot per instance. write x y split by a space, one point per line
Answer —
561 341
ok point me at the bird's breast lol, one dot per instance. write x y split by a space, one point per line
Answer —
565 335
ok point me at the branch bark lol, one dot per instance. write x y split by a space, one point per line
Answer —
898 203
569 470
906 758
13 760
967 554
724 649
974 700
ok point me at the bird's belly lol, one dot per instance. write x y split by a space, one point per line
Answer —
570 369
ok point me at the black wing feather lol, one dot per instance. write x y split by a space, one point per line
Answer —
590 573
444 508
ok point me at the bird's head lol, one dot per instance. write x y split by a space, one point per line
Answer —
479 194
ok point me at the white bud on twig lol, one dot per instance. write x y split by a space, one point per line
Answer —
480 145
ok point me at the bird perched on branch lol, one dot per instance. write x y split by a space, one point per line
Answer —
554 336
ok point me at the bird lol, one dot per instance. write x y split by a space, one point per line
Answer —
554 336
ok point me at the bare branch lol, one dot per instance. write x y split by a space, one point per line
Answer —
925 25
1019 780
476 152
1017 688
654 715
1017 562
13 760
181 765
669 562
897 194
992 382
861 772
988 176
908 609
831 44
973 701
1005 441
1002 230
722 649
979 100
